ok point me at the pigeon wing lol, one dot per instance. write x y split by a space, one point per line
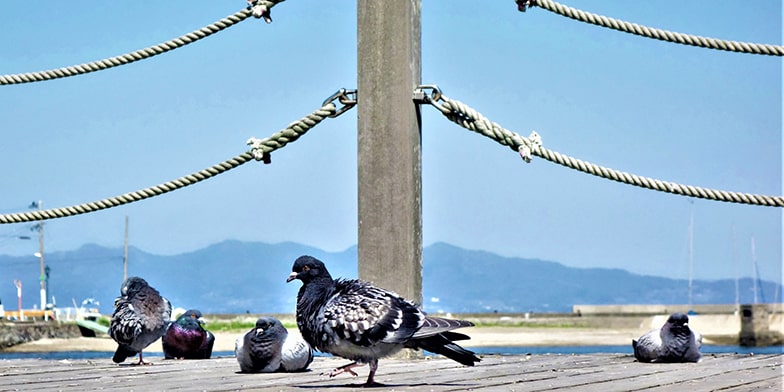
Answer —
125 324
296 354
242 354
648 347
365 315
209 342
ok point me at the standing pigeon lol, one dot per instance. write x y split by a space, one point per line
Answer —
360 322
269 348
673 342
187 339
140 317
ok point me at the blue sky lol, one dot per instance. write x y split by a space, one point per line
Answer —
677 113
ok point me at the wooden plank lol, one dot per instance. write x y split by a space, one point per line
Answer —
606 372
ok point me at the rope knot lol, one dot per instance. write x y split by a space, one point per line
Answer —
259 9
529 145
257 150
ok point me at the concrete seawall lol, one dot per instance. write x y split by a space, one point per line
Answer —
747 325
12 334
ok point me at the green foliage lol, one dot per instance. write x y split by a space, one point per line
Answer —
238 325
104 320
518 323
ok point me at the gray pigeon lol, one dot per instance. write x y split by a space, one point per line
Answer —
269 348
360 322
140 317
673 342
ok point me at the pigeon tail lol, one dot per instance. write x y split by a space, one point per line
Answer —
637 354
123 352
435 325
440 344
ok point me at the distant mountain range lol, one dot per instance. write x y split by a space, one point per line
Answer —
235 277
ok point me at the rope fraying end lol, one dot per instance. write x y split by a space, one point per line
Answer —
259 9
523 5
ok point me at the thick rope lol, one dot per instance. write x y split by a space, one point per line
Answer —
141 54
262 148
468 118
663 35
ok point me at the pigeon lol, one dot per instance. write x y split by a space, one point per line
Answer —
140 317
269 348
355 320
187 339
673 342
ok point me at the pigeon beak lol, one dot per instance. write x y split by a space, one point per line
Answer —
259 331
291 277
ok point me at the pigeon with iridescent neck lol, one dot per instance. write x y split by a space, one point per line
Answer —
186 338
358 321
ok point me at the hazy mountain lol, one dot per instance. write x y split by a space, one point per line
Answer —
235 277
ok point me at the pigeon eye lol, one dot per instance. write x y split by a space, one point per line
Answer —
305 269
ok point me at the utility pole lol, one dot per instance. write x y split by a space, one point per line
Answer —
389 145
18 284
125 253
42 276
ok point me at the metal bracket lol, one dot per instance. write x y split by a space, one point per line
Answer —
348 98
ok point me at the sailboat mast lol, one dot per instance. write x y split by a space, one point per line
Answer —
735 266
691 251
754 267
125 253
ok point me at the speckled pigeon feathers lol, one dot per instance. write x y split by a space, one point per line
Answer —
269 348
186 338
358 321
673 342
140 317
364 315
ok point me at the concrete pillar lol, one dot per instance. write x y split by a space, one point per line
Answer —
754 325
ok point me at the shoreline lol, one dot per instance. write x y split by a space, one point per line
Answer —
480 337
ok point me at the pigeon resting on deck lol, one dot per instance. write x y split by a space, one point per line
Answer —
140 317
360 322
186 338
673 342
269 348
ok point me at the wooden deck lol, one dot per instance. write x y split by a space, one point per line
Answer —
601 372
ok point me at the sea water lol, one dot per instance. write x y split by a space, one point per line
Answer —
533 350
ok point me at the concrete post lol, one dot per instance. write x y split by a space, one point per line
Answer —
389 145
755 326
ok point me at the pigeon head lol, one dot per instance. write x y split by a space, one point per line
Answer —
307 269
132 285
269 326
678 320
678 324
190 317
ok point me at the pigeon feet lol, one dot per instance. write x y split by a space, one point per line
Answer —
141 360
344 369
